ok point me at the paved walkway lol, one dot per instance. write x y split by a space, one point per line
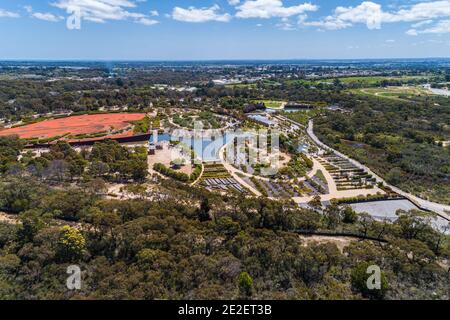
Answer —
441 209
332 188
199 177
234 172
333 192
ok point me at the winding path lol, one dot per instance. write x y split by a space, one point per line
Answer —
234 172
332 194
440 209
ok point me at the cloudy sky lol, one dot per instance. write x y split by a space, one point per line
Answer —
223 29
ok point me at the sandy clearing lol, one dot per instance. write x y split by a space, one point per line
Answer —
340 242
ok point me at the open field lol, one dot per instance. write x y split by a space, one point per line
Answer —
75 126
378 79
361 80
394 92
272 104
241 85
252 85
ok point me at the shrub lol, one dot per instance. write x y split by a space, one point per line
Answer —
180 176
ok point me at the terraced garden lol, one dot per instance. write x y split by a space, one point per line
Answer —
208 119
282 189
216 177
346 175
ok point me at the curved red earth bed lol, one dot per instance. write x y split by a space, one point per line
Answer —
76 125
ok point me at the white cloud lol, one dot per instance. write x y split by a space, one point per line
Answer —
102 10
147 21
198 15
271 9
420 11
441 27
328 23
154 13
367 12
8 14
233 2
421 23
285 26
46 16
373 16
412 32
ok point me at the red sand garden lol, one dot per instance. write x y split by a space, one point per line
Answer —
111 123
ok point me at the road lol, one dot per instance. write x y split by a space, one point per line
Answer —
440 209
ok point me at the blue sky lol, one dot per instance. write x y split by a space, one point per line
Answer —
223 29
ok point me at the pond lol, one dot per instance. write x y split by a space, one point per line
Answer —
296 110
207 149
442 92
261 119
385 210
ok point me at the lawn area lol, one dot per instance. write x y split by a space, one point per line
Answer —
302 81
272 104
301 117
319 175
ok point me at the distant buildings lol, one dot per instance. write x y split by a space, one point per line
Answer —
223 82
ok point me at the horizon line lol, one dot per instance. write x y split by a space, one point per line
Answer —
210 60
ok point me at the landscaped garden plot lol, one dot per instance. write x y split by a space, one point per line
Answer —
319 182
224 184
208 120
216 177
273 188
271 104
215 171
346 175
312 188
